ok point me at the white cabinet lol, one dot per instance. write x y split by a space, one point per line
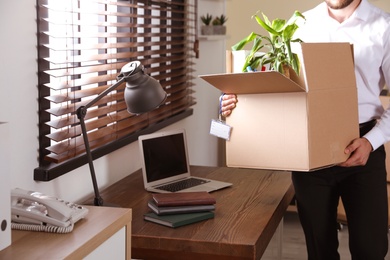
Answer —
114 247
105 233
5 207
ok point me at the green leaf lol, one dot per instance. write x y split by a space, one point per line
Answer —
241 44
277 66
265 26
253 63
293 19
266 20
295 64
296 40
251 59
289 31
278 25
278 42
257 45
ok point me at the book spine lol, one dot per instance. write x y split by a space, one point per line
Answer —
193 220
179 209
184 203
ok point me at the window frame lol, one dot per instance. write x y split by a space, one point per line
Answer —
48 170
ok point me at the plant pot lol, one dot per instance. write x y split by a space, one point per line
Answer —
238 60
219 29
206 30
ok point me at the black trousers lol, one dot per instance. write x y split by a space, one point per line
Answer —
363 191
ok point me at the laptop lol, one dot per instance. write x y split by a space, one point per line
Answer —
165 165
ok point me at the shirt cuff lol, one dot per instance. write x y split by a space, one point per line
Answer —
375 137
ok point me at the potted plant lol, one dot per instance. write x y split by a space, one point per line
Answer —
277 45
219 24
206 28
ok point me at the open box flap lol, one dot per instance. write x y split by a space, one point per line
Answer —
252 82
323 66
327 65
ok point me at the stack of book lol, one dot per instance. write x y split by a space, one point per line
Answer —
181 208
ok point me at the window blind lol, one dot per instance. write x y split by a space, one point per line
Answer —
83 44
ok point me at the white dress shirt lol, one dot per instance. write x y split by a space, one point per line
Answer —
368 29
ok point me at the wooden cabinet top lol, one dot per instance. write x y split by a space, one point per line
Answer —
99 225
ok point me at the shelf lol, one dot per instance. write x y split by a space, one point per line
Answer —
212 37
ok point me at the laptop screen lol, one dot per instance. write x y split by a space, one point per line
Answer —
164 156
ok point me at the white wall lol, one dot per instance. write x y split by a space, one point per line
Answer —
18 95
239 14
18 107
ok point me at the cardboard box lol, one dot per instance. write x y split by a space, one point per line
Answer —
301 124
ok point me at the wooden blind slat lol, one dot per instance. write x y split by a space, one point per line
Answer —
105 57
69 96
72 119
82 47
69 108
71 149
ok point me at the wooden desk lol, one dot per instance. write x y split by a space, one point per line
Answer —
88 234
246 217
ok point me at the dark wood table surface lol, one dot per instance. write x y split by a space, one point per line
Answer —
246 216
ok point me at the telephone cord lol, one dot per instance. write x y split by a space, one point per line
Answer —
42 228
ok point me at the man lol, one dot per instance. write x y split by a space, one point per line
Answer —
360 181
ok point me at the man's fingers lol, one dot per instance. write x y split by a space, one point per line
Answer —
226 113
227 104
229 96
359 151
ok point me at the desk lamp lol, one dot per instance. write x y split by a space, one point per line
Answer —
142 94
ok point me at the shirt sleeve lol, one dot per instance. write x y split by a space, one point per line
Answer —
380 134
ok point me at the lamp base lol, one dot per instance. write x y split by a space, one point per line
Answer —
100 203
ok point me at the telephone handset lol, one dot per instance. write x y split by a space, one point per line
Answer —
31 210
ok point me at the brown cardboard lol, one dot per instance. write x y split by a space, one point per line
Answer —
303 123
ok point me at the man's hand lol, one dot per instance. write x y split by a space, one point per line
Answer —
228 103
359 151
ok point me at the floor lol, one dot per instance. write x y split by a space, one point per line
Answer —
294 241
294 248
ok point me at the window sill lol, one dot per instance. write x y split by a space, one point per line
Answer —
52 170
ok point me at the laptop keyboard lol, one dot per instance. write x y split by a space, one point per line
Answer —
181 185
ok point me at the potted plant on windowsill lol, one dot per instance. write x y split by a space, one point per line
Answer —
219 27
278 54
206 28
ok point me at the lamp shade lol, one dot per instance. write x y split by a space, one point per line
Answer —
142 93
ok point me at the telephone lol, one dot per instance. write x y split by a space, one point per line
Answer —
34 211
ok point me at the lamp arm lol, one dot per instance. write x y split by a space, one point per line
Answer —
81 113
104 93
98 200
127 71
